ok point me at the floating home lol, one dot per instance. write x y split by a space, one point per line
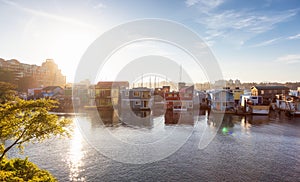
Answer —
201 99
106 94
269 92
222 101
159 100
181 100
140 98
237 92
254 105
291 107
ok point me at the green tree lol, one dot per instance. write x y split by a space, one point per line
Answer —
23 170
7 92
29 121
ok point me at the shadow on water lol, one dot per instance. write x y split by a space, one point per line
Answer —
112 118
229 121
146 118
107 118
137 118
179 118
274 117
141 118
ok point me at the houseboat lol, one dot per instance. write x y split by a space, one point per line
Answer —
140 98
201 100
254 105
259 109
222 101
293 108
180 101
269 92
105 95
281 105
159 105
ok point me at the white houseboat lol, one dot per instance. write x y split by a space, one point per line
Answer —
254 105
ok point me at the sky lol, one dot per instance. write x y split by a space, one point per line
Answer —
254 41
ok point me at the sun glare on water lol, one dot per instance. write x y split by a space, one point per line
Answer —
75 156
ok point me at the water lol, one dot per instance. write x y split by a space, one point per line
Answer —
252 148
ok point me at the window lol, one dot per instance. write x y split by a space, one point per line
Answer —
102 92
137 102
114 93
136 94
126 93
262 92
97 92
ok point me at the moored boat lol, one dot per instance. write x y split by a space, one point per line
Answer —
259 109
293 108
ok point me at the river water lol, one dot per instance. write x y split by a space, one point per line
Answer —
198 148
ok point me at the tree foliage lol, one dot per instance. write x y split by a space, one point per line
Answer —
24 121
23 170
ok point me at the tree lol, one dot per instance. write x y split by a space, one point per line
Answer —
7 92
23 170
24 121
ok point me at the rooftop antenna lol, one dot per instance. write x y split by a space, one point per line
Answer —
150 82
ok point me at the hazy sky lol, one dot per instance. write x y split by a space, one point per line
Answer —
257 40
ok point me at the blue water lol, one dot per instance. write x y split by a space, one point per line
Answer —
252 148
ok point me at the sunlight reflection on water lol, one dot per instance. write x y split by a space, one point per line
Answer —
75 156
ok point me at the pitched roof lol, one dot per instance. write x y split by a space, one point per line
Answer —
186 88
270 87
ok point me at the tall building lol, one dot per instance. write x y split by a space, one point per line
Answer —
48 74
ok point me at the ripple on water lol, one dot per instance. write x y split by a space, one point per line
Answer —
244 152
